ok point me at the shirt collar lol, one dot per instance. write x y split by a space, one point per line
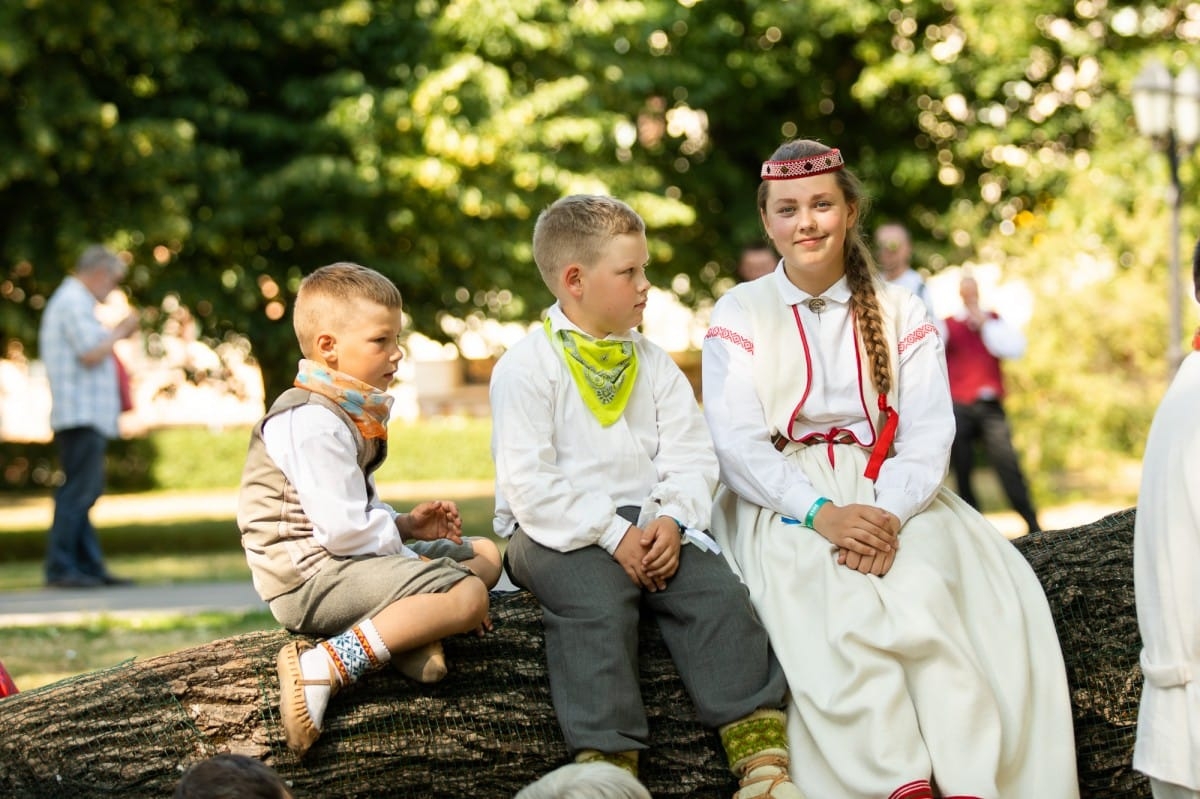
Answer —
80 288
839 292
559 321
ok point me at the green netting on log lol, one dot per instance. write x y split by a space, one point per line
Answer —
489 728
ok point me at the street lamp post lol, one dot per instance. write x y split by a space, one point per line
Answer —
1168 112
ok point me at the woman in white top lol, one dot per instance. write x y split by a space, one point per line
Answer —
919 648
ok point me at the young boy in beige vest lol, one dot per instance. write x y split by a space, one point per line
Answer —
605 475
325 553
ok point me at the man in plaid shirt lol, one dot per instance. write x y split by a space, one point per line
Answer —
77 351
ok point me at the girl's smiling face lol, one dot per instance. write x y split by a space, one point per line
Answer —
808 219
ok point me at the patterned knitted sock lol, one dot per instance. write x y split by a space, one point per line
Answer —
763 732
344 658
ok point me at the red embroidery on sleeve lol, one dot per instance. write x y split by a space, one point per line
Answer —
732 337
916 336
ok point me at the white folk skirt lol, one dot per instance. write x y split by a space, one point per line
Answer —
946 671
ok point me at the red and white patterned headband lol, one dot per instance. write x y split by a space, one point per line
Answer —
803 167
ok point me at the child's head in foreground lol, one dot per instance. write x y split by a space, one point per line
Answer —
230 776
348 318
594 780
591 251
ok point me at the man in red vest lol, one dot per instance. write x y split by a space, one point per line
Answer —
7 686
976 341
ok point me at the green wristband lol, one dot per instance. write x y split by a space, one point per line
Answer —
812 512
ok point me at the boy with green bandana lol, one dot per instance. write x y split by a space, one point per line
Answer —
327 556
604 481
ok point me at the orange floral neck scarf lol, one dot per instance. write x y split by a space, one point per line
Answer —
368 406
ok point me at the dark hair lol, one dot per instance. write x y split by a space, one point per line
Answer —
860 266
1196 271
230 776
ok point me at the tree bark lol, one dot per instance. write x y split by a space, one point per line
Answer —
489 728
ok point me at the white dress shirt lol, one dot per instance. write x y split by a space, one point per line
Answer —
1002 338
561 475
750 464
316 452
912 280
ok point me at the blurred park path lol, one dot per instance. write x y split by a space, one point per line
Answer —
46 606
31 513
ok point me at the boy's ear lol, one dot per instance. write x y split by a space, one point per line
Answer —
572 280
326 347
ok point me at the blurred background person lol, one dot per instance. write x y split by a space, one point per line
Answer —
85 403
757 259
893 253
976 341
7 686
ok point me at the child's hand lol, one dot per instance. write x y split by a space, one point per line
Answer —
663 537
879 565
630 554
431 521
861 530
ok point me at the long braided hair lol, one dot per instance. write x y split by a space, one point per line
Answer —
860 266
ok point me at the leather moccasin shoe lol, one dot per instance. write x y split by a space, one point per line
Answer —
298 728
766 777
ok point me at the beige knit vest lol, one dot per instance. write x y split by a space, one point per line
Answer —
277 534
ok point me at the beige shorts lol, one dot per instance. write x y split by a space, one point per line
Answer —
348 590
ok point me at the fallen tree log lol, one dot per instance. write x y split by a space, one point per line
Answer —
488 728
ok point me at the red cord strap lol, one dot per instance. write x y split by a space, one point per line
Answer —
884 443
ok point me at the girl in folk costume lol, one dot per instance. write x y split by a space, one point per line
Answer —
918 645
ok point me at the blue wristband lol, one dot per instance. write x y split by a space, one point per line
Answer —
812 512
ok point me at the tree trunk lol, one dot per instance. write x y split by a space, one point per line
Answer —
488 728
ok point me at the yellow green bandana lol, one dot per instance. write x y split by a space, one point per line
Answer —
603 370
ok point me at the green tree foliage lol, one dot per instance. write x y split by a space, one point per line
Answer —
233 145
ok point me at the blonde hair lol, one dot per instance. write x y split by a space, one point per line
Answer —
577 228
856 255
325 294
592 780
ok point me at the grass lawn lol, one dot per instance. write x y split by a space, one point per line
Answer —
175 550
440 448
181 549
38 656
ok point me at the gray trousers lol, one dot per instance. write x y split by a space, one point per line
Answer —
591 610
